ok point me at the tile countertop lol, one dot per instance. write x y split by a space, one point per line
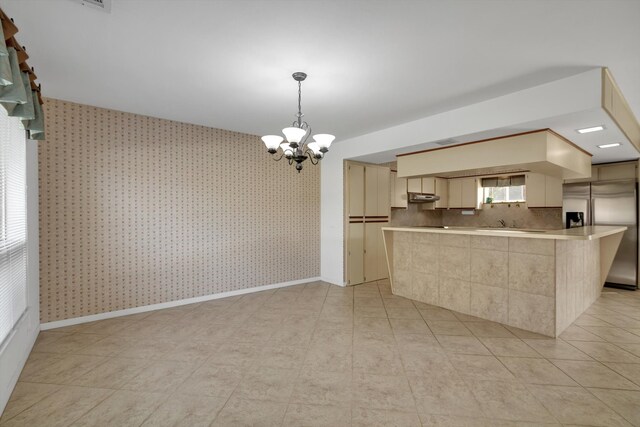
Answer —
580 233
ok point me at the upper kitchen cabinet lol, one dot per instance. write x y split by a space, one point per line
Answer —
616 171
398 188
442 190
610 172
368 190
463 193
414 185
428 185
425 185
543 191
355 188
376 186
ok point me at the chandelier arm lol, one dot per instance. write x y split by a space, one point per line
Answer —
277 159
307 135
312 157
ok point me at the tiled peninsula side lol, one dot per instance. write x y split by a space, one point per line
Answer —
537 284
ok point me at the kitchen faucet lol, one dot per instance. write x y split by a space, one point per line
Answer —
502 223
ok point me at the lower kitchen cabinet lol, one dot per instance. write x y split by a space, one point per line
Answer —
375 260
355 253
366 257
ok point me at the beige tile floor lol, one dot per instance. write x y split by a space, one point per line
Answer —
321 355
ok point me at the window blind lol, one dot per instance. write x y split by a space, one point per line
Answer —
13 224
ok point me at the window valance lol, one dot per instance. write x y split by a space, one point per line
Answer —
503 181
19 93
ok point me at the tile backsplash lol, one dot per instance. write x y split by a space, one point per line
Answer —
415 216
514 216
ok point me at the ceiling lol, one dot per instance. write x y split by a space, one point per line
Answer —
371 64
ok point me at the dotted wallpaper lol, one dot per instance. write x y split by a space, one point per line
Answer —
136 210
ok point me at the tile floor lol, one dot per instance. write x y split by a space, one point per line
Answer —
321 355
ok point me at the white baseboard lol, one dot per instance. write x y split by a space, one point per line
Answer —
334 282
152 307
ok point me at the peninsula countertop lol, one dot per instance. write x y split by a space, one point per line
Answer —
580 233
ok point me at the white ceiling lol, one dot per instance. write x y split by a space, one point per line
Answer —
371 64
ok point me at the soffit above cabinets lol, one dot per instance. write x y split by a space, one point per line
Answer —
595 100
542 151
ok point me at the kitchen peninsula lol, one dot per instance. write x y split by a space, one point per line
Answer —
536 280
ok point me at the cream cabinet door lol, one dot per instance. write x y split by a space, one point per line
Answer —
384 202
375 262
553 192
442 190
429 185
536 190
469 193
355 176
398 191
370 191
414 185
371 231
455 193
612 172
355 254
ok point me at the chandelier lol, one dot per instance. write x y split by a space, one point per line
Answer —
294 146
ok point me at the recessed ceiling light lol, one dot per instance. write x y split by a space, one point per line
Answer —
591 129
615 144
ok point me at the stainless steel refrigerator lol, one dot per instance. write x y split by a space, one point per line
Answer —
610 203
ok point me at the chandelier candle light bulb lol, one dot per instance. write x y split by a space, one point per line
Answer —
295 147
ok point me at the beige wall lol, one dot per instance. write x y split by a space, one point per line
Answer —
136 210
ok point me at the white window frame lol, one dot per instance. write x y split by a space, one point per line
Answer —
485 190
13 223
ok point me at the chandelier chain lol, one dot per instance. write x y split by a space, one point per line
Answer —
299 102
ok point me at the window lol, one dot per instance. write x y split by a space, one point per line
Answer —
13 224
503 190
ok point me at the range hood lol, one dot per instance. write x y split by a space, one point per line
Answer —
422 198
